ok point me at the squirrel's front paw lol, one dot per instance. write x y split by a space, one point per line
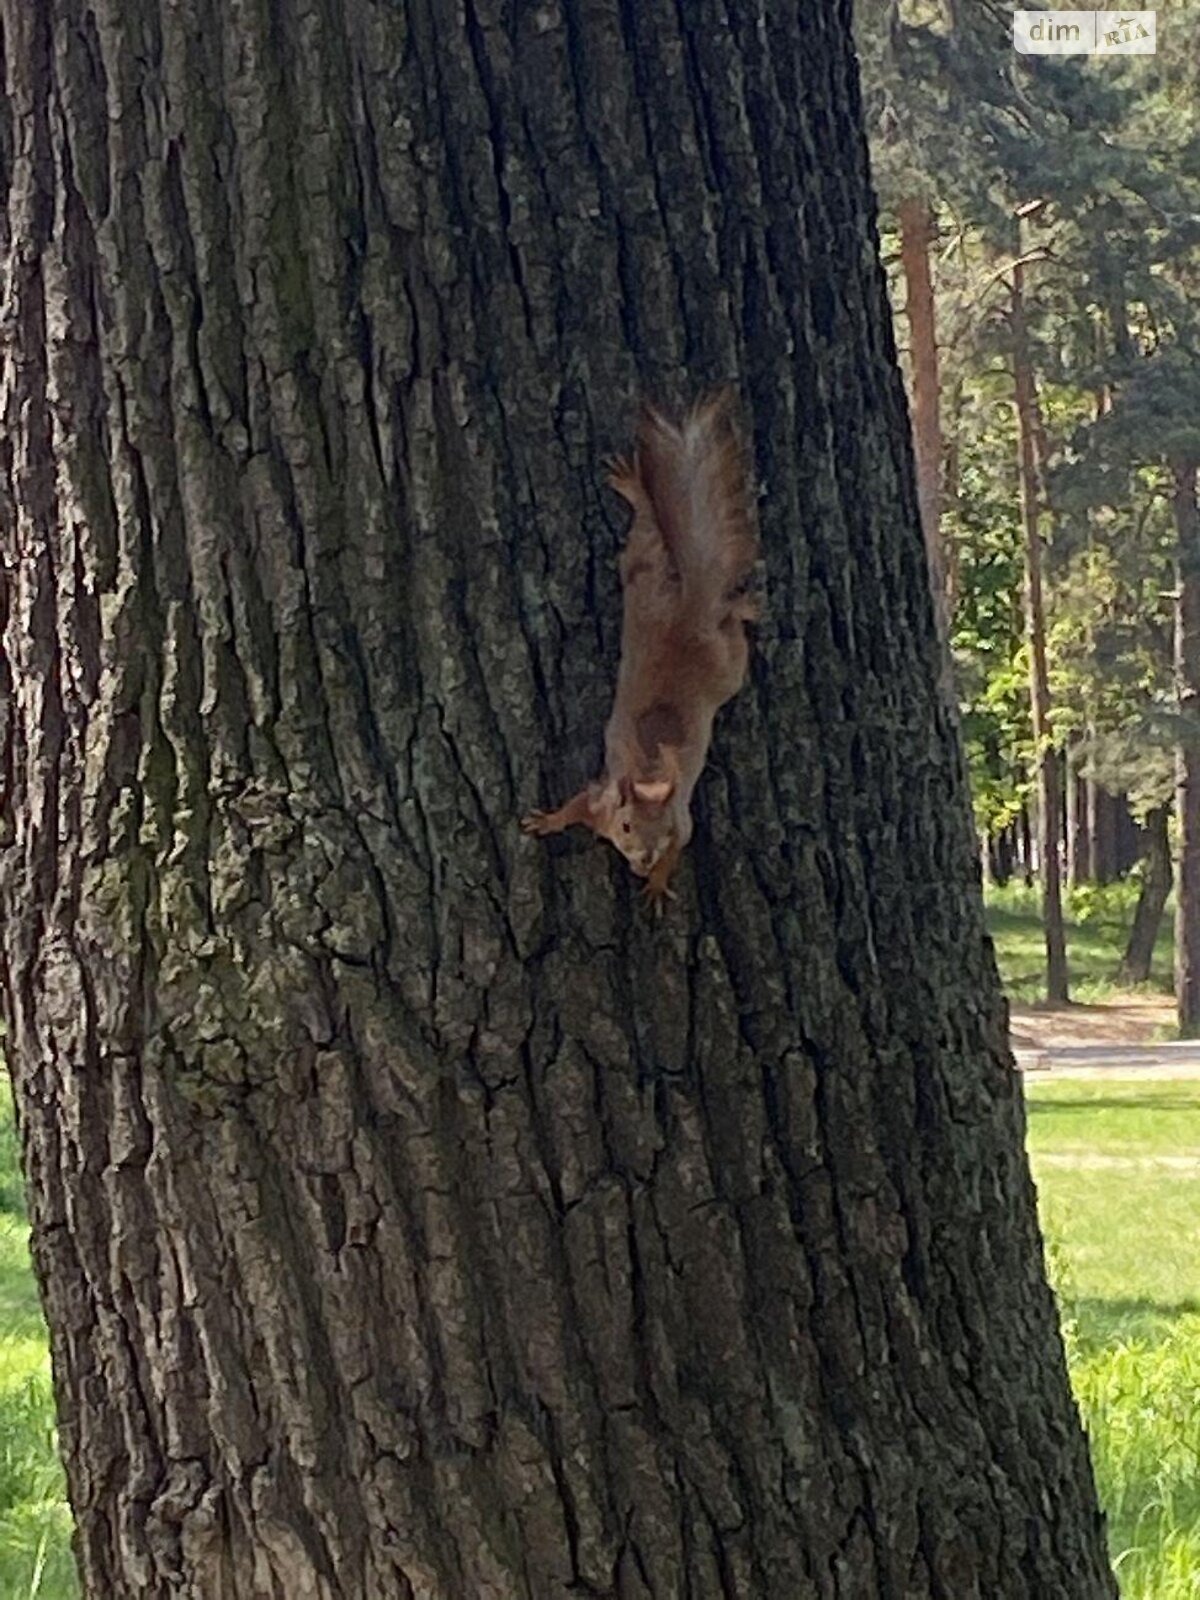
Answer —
537 822
656 893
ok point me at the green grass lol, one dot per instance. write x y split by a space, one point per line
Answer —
35 1524
1118 1172
1097 925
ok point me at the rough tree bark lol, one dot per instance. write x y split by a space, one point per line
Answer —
1187 750
1049 784
414 1217
1152 898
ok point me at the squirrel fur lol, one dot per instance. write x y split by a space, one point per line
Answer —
684 651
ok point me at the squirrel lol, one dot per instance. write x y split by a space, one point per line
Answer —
684 650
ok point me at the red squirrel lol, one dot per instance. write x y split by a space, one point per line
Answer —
684 650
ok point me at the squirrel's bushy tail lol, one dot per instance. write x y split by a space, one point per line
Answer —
694 477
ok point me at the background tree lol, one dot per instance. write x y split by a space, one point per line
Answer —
412 1216
1104 158
932 80
1046 755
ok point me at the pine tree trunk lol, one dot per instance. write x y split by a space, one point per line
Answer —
1129 841
950 494
998 852
916 239
1187 755
1078 837
1152 898
414 1216
1026 851
1048 779
1094 802
1102 824
1088 790
1004 856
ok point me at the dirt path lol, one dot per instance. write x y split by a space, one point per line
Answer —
1131 1019
1130 1036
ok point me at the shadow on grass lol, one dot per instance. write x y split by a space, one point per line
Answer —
1103 1322
1045 1102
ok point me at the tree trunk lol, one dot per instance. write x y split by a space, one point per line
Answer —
916 239
1187 754
414 1216
1004 855
1079 867
985 862
1129 841
950 494
1102 824
1049 785
1026 838
1152 898
998 853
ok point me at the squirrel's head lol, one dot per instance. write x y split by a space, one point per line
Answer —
637 816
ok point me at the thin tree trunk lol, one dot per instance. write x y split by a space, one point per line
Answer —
1152 898
1094 803
1187 758
1004 856
1085 854
999 859
1025 836
415 1217
1078 864
950 495
916 239
1129 841
1049 786
1102 823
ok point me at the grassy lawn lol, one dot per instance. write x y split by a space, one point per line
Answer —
35 1525
1098 922
1118 1172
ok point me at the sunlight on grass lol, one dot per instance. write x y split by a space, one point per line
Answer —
1124 1254
1138 1400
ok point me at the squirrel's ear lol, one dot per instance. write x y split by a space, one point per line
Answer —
656 793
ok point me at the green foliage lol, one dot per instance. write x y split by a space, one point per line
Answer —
982 526
1116 1166
1104 907
1109 155
35 1523
12 1189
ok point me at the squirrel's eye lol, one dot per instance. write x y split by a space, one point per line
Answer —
625 828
